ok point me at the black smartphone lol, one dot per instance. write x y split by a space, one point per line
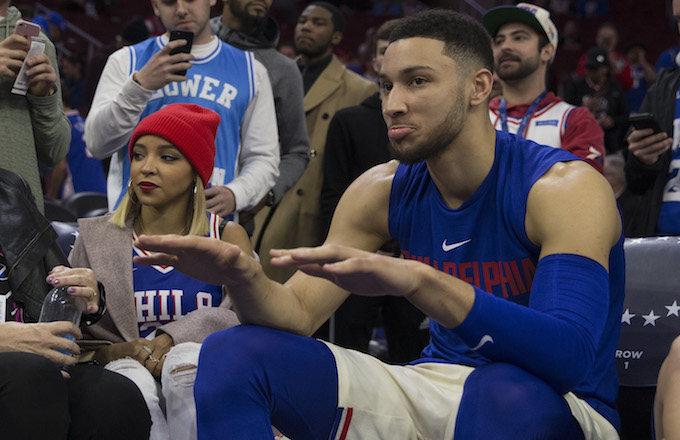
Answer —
182 35
640 121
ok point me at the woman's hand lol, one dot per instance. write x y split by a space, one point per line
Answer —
45 338
82 284
150 353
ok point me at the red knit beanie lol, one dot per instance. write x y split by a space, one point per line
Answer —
189 127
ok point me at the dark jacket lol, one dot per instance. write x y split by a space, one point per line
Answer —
356 141
28 242
649 180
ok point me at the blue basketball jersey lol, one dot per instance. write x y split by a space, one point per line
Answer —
484 242
163 294
223 81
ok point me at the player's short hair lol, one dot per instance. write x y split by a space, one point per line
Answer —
465 40
337 17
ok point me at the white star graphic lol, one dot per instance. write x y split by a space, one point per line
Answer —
673 309
651 319
626 317
636 240
664 238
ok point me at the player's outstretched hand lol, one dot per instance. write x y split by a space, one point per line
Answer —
203 258
360 272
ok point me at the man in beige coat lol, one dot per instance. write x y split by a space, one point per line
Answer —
329 86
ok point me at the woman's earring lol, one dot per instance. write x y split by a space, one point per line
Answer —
131 194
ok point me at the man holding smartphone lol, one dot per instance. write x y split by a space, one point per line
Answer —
34 126
141 79
652 163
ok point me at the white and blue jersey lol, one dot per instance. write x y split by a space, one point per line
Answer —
484 242
163 294
222 81
669 214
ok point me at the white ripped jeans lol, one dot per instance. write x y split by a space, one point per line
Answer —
171 403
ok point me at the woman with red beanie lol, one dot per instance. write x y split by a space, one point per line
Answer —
156 316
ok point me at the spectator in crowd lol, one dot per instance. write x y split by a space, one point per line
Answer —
248 26
668 58
157 317
328 86
643 74
78 171
390 8
138 80
57 26
607 38
73 79
506 361
34 125
652 163
43 393
357 140
603 96
588 9
524 44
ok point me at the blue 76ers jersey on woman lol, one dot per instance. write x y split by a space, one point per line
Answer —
223 81
163 294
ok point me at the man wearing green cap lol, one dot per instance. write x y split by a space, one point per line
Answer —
524 45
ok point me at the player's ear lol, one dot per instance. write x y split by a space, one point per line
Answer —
481 85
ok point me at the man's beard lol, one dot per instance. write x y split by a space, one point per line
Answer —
253 21
525 68
440 137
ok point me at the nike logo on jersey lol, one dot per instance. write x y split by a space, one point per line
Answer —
484 340
450 247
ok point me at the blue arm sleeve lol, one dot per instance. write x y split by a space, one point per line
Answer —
557 336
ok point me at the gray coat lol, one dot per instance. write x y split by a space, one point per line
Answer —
107 250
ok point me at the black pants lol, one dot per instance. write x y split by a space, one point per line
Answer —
36 402
358 315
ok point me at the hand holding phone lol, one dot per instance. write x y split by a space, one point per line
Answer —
182 35
641 121
27 29
647 148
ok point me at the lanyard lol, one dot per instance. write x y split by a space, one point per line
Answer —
503 111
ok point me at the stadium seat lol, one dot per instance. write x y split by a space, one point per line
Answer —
650 322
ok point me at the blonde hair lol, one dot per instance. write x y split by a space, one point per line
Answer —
130 208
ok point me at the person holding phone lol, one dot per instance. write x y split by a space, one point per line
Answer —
652 164
34 126
141 79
